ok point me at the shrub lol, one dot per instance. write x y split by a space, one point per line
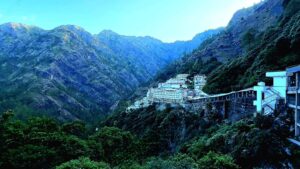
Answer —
217 161
83 163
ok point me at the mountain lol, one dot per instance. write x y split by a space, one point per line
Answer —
231 43
274 49
258 39
70 74
141 50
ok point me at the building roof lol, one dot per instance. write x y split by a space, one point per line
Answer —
293 69
182 75
276 74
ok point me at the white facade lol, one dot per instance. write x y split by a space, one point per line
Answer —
167 95
267 96
199 83
174 90
172 85
279 82
140 104
182 76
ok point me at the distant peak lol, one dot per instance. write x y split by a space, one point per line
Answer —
15 25
71 28
108 32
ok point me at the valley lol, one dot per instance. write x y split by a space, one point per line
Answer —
70 74
226 99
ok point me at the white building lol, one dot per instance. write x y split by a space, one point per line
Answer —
140 104
293 95
174 90
172 85
167 95
267 96
180 81
182 76
199 83
286 85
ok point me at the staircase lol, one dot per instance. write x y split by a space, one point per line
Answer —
269 103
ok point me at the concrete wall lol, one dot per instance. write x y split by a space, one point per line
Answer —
232 110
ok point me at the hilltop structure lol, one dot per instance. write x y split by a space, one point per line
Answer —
284 92
175 90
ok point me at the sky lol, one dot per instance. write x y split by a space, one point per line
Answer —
167 20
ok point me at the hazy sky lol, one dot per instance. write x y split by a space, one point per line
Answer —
168 20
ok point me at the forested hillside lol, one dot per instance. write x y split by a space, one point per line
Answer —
148 139
233 42
75 78
274 49
69 74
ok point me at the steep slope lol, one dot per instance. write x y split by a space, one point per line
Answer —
64 72
258 142
243 29
276 49
141 50
69 74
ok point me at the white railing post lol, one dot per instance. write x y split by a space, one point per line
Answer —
260 88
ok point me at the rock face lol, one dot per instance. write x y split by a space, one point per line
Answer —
258 18
69 74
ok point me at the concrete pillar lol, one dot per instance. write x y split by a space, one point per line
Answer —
297 113
260 88
297 130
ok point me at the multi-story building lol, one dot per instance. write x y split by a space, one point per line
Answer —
293 95
145 102
180 81
286 85
199 83
174 90
167 95
182 76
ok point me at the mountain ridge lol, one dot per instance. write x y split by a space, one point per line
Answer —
70 74
229 43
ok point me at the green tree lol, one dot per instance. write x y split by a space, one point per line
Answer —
217 161
76 128
118 145
83 163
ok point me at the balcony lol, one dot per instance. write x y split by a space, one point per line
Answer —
293 106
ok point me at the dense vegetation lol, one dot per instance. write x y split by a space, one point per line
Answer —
162 137
240 35
69 74
168 139
274 49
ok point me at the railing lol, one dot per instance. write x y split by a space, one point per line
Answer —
272 90
268 111
270 101
246 93
293 88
